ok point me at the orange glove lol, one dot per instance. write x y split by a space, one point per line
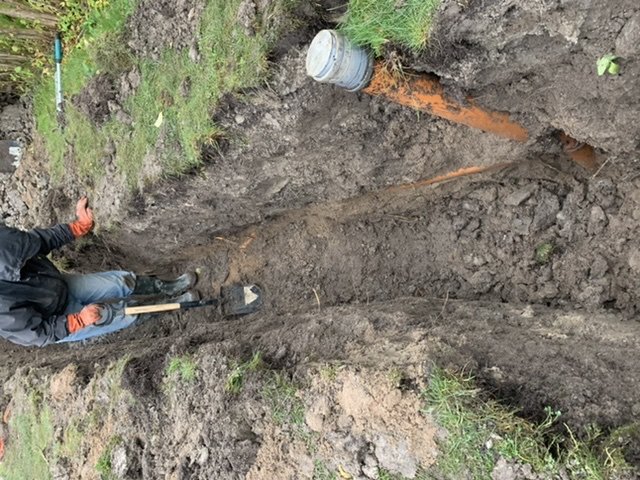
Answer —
88 316
84 224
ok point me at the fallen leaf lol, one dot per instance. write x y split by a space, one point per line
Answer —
159 121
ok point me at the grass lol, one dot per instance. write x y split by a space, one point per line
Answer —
235 380
182 91
377 23
31 437
479 432
287 408
71 441
103 465
544 251
183 368
322 472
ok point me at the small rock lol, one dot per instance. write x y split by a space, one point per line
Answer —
634 261
628 41
119 461
546 211
370 472
194 53
481 281
240 119
315 421
599 268
597 220
395 456
520 196
203 456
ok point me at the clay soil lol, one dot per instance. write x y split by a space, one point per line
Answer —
313 196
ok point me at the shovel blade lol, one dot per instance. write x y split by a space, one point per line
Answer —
241 299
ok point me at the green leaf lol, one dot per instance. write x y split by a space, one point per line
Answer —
605 63
614 68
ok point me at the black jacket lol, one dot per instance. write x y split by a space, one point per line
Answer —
33 294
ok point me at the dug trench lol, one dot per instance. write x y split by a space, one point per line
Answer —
524 276
455 267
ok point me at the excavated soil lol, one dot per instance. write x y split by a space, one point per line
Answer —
316 195
537 60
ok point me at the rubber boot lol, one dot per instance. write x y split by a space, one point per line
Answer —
154 286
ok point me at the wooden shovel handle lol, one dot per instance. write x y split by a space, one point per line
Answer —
164 307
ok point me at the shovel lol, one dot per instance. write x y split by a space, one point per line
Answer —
235 300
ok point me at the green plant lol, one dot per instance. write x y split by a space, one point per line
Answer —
28 27
321 472
31 439
183 368
184 92
377 23
479 431
544 251
608 64
103 465
71 441
282 397
235 379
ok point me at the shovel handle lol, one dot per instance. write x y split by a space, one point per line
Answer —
164 307
169 307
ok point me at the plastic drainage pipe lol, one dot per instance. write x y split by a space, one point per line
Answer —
332 58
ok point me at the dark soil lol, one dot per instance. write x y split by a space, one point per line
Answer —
537 60
98 99
157 25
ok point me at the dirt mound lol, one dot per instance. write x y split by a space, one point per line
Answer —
98 99
157 25
538 60
360 421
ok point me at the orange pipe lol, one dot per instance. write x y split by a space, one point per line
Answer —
581 153
424 92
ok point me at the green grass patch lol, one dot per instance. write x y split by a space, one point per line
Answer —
183 368
29 444
235 380
103 465
171 109
376 23
71 442
544 251
322 472
282 397
479 432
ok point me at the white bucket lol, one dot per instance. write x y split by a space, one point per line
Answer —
332 58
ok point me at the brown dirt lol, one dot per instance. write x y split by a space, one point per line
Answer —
537 60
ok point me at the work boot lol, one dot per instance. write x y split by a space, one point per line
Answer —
149 285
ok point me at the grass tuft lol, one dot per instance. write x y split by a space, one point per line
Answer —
322 472
544 251
235 380
479 432
376 23
31 438
183 368
104 466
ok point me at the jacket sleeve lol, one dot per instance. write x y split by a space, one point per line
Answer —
17 246
26 327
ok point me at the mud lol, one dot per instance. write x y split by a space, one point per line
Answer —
537 60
